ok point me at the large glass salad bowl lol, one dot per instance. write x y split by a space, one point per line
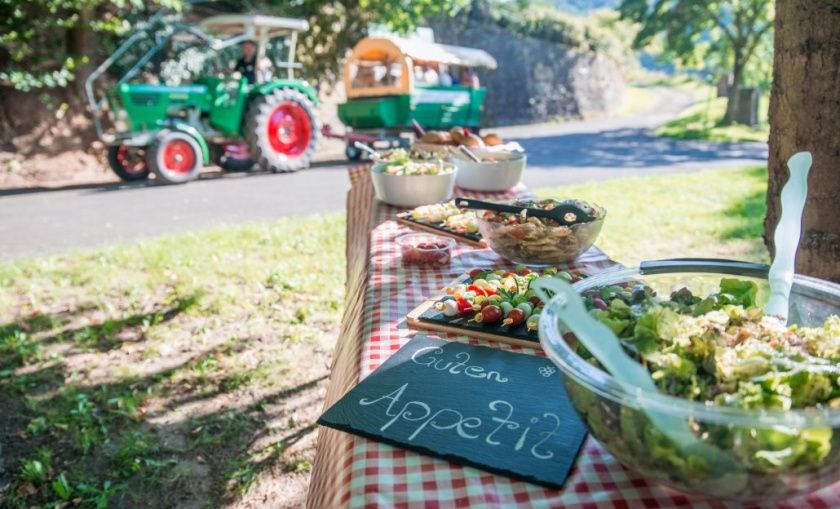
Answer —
752 449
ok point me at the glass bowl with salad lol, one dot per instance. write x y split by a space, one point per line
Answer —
760 397
401 180
537 241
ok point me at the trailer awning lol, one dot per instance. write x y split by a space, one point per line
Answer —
377 48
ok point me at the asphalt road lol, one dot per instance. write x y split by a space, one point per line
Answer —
48 221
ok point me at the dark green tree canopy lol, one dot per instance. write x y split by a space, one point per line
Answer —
51 43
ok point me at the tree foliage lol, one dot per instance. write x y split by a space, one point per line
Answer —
732 31
337 25
600 31
46 43
51 43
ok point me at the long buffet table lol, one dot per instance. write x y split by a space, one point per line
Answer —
351 471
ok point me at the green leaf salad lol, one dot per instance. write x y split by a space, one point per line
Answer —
718 350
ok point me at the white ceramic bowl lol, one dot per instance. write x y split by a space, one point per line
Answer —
501 175
412 190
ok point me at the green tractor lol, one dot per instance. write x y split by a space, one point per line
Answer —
176 107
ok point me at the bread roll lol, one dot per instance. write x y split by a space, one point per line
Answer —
436 137
492 139
473 141
458 134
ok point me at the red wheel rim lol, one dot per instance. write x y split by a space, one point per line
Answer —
130 159
178 156
289 129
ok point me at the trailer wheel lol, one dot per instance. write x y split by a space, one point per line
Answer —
175 157
352 152
128 162
282 130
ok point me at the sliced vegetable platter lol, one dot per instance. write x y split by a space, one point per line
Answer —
491 304
444 219
473 239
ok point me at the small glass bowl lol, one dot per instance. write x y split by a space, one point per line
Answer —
424 249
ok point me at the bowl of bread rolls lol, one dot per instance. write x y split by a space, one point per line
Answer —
434 140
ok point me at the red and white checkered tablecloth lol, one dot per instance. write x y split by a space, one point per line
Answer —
356 472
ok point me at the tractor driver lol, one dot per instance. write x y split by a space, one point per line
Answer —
247 65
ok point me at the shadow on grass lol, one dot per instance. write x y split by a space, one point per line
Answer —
23 340
110 450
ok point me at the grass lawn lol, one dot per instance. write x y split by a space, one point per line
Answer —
188 370
702 121
169 373
715 213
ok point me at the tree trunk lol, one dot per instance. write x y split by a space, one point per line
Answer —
732 94
805 115
79 44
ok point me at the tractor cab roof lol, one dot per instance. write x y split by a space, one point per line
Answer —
252 25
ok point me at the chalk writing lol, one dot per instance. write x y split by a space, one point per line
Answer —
429 357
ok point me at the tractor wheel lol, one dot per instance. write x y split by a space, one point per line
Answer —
129 163
175 157
282 130
232 157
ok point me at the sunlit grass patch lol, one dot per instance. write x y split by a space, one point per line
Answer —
706 214
703 121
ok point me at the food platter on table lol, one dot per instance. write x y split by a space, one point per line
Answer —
445 219
457 308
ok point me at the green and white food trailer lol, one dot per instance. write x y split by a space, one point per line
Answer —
393 84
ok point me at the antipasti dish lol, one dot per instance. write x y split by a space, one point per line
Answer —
761 397
400 180
422 249
445 218
538 241
497 304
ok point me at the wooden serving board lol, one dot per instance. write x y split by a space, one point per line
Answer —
426 317
474 240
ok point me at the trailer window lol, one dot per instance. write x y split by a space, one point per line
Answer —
371 73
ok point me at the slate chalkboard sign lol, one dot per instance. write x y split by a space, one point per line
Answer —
503 412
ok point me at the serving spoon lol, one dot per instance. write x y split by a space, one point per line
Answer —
469 153
787 234
605 346
560 213
367 148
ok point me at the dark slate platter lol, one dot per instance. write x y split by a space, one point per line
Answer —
499 411
406 217
432 315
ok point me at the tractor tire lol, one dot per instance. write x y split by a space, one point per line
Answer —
175 157
282 131
129 163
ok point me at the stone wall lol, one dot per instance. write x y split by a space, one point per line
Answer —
536 81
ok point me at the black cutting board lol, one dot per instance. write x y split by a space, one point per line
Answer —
471 238
503 412
468 325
